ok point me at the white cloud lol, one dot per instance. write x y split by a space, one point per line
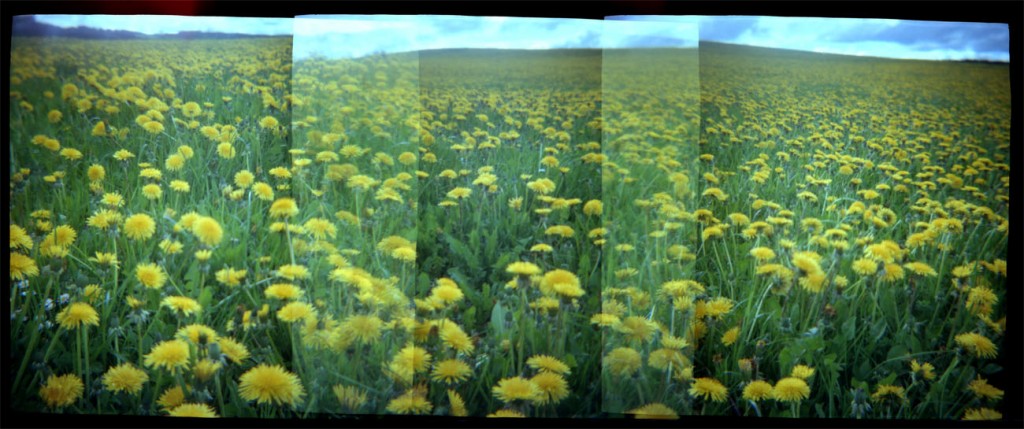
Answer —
847 36
632 34
401 33
170 24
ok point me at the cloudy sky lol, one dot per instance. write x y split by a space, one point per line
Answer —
169 24
890 38
358 35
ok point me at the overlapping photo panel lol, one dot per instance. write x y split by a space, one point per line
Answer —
150 163
507 275
851 204
650 125
358 82
636 217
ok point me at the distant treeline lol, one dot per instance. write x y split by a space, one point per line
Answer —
27 26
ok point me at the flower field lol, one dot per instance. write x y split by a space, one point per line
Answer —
209 229
848 230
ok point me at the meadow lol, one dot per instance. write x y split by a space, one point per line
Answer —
211 229
850 236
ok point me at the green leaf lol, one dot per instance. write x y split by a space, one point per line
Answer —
915 345
849 329
570 360
584 266
786 358
877 331
829 362
485 294
205 297
491 245
897 351
464 252
813 344
888 379
863 370
498 319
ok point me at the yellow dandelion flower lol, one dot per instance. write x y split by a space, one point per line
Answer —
284 208
235 351
96 172
64 236
62 391
982 389
729 337
226 150
150 275
453 336
283 291
802 372
206 368
292 272
152 191
139 226
175 162
516 388
637 328
451 371
22 267
366 329
459 193
268 122
623 361
171 355
791 389
506 413
112 199
350 397
545 363
270 384
523 269
978 344
447 293
207 230
553 388
982 414
865 267
926 369
171 398
563 283
655 410
887 391
187 306
545 248
19 238
709 388
718 307
193 410
296 311
757 390
410 402
153 127
78 314
125 378
320 228
458 406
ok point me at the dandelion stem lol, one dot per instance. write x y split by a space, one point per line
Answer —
291 250
88 373
78 351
